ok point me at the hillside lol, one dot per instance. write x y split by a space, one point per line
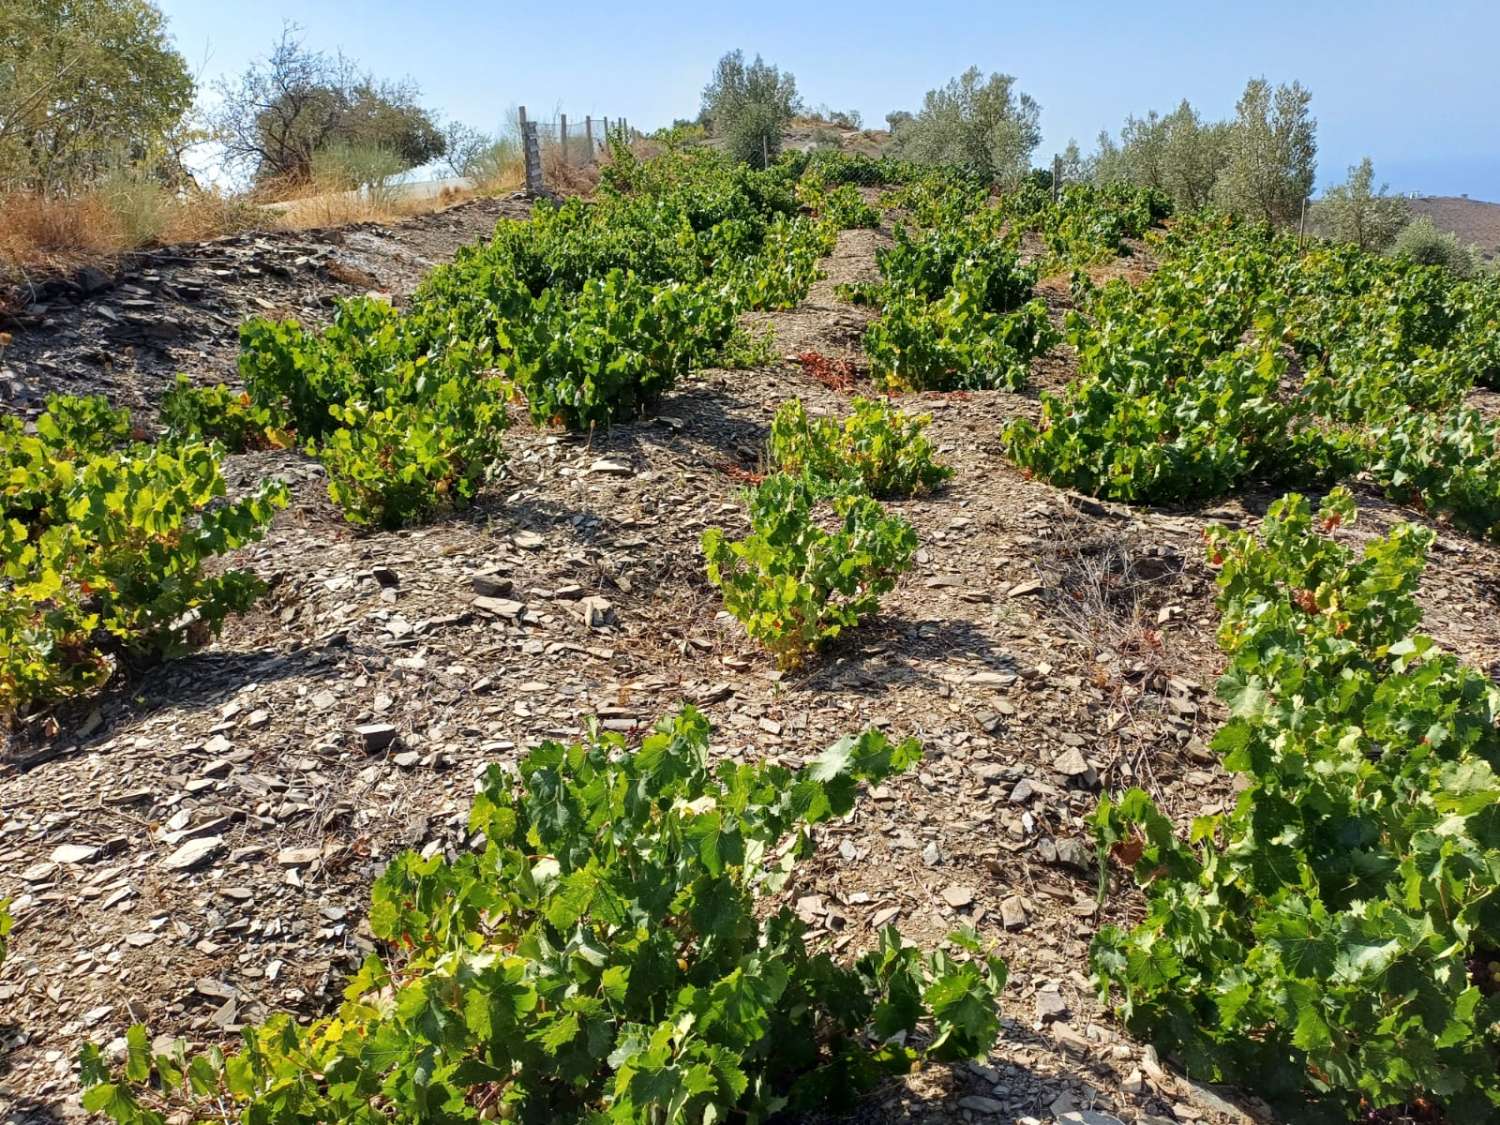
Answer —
194 847
1472 220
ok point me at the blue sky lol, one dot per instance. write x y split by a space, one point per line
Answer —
1416 87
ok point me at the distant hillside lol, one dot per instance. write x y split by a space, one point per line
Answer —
1473 220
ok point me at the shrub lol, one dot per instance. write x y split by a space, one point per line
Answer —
395 465
878 447
611 351
370 352
608 957
1190 438
842 206
1329 939
780 275
953 344
1421 242
103 550
1480 302
954 308
192 413
793 584
1444 463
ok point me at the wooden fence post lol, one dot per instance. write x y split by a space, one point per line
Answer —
1056 178
588 135
606 133
562 135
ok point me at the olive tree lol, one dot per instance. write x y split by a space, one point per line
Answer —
1358 212
1179 154
978 122
1272 153
86 87
748 105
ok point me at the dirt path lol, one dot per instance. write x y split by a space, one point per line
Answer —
1043 647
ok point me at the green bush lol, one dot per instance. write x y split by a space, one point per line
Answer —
954 313
371 352
953 344
878 447
795 585
192 413
6 922
780 274
398 464
609 352
1421 242
102 549
1192 438
1328 941
609 957
1446 464
842 206
1480 305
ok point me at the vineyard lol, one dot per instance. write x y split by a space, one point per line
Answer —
743 647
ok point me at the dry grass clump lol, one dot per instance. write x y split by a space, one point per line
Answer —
47 234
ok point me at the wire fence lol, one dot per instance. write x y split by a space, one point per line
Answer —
575 142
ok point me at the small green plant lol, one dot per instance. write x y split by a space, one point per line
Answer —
1329 941
102 548
1444 464
794 584
609 957
878 447
217 413
6 924
951 344
1188 439
747 348
396 465
610 351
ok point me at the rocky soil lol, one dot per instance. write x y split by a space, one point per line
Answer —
195 849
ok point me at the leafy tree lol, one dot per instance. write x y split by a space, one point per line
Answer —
282 111
980 123
1179 154
1421 241
1356 212
1272 153
749 105
85 86
1196 152
1075 169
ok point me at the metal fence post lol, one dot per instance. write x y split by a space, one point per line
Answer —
562 135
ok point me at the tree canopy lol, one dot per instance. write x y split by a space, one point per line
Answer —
748 104
1262 163
85 86
978 122
1358 212
1272 153
282 111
